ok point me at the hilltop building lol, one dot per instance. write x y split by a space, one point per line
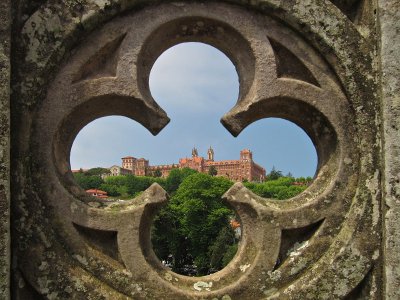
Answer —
237 170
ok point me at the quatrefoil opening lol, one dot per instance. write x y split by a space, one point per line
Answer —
309 95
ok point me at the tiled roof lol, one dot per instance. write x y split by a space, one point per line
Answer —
95 191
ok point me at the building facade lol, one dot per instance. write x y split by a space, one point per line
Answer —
237 170
117 171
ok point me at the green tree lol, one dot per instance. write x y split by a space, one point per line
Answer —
112 190
88 182
116 180
229 254
212 171
223 242
175 178
129 185
136 184
97 171
281 188
274 174
186 230
301 179
157 173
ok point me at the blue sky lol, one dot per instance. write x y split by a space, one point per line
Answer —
195 84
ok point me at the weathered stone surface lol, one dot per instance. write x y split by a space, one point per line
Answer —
304 61
389 16
5 68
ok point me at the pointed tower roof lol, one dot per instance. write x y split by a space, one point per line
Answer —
194 152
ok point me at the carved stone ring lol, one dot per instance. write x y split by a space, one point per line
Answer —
288 248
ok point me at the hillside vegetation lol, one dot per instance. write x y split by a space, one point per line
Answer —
192 234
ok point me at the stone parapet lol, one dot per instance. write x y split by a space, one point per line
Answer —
389 21
5 70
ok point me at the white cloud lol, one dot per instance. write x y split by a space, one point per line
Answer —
193 77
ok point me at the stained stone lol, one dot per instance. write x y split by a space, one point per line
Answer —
331 67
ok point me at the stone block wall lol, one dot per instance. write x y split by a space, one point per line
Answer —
5 69
389 58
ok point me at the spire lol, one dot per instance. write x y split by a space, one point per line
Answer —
210 154
194 152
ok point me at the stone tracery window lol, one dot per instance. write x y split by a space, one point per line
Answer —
288 247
